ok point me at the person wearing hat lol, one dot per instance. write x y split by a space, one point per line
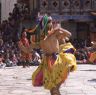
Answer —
53 70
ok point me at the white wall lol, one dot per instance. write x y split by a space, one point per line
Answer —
6 7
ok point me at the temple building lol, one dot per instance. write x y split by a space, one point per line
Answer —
74 15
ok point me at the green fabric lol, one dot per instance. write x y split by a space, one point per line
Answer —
43 31
45 21
38 33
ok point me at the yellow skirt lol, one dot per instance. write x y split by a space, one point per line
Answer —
58 72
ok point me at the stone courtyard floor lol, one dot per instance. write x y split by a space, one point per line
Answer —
17 81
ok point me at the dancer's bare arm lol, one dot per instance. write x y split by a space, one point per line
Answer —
60 31
66 32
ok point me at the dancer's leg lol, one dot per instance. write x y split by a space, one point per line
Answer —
55 90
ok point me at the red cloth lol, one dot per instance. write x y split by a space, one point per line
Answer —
24 41
39 79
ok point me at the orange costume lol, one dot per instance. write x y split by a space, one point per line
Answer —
93 57
24 47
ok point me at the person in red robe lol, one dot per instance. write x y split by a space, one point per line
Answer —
24 47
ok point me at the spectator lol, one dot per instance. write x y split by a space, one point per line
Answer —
36 58
16 12
14 60
2 65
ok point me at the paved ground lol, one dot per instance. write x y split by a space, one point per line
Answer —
17 81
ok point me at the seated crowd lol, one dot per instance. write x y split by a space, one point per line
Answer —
9 36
